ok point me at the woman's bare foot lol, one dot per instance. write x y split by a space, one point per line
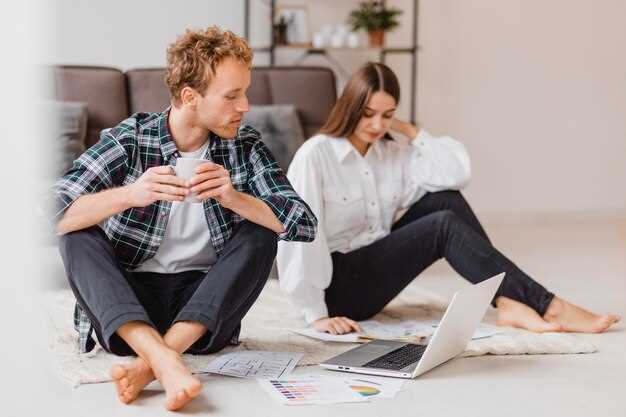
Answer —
515 314
576 319
130 379
180 386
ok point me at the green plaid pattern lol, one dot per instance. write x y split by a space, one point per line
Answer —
143 141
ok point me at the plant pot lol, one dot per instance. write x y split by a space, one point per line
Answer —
377 38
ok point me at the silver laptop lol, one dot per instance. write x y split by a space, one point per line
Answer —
408 360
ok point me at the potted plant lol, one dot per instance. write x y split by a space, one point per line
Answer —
376 19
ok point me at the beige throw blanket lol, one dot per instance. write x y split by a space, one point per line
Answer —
266 327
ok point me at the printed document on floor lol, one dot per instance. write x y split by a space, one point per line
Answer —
374 387
311 390
255 364
327 337
410 331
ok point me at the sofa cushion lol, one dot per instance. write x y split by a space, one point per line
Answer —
311 89
66 127
280 130
69 133
102 89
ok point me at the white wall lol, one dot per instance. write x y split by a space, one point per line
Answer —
134 33
21 316
536 89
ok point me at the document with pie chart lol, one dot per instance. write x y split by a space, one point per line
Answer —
321 389
374 388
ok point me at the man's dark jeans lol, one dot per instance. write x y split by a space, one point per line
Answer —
439 225
218 299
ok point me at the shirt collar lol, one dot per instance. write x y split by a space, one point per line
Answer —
168 146
377 148
343 148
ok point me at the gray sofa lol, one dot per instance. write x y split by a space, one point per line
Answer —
112 95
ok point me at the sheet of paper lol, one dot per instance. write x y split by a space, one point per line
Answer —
395 330
483 330
373 388
312 390
310 332
374 329
400 330
255 364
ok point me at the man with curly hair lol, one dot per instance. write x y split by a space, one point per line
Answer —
155 275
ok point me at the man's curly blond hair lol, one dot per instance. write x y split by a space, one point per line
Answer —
190 58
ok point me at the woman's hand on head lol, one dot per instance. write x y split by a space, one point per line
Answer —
407 129
336 325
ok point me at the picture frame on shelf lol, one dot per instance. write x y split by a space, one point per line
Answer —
296 17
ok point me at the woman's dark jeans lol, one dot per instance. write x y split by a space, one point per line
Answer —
439 225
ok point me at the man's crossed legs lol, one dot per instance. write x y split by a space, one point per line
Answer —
159 316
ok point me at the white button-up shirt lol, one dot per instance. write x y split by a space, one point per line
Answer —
356 200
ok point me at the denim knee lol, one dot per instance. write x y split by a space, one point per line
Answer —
445 217
262 240
73 241
445 222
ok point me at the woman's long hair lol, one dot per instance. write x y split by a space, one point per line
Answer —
348 109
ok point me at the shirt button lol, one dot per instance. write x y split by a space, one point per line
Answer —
373 203
345 199
367 173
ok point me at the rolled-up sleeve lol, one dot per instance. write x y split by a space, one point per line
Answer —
102 166
434 164
270 185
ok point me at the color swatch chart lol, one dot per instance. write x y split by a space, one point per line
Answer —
311 391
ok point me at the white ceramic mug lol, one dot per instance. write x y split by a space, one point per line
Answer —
185 168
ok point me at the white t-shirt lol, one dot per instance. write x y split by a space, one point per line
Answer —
186 245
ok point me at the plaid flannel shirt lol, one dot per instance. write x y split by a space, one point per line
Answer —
142 141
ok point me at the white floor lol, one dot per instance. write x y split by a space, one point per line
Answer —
584 262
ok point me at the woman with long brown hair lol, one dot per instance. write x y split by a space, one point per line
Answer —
389 208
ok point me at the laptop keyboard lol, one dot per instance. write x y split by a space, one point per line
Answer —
399 358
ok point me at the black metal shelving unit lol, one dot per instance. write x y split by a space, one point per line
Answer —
383 52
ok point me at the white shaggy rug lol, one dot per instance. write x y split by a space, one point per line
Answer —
266 328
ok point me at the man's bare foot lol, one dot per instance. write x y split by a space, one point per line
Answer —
180 386
576 319
130 379
515 314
